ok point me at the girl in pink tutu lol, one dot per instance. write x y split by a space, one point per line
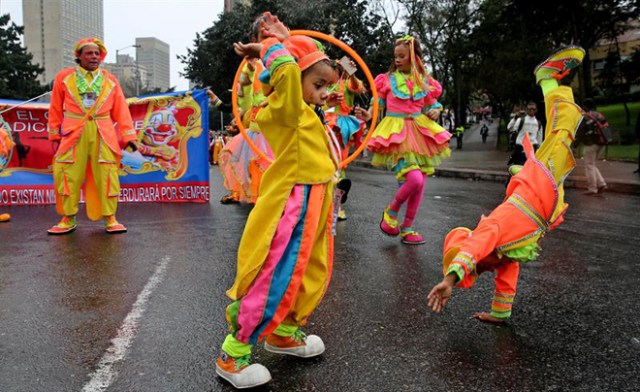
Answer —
407 141
240 166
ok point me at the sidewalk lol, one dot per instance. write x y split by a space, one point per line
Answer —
483 162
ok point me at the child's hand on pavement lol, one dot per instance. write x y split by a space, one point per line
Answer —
248 51
272 27
441 293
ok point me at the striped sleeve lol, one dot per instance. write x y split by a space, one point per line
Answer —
274 54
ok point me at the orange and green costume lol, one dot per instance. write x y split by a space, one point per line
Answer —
534 205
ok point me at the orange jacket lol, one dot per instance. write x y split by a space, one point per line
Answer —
6 144
67 115
530 209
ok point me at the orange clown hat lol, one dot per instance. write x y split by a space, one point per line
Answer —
307 51
90 41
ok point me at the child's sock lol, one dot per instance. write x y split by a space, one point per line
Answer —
285 330
235 348
548 85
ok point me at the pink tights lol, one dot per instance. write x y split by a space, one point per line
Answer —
411 192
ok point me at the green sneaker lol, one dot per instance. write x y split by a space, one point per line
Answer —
559 64
514 169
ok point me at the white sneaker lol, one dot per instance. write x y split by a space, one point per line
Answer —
240 373
298 344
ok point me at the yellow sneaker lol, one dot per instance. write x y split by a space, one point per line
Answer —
559 64
389 223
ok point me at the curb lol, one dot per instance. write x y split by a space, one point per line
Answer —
573 182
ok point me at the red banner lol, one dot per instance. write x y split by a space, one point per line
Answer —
171 164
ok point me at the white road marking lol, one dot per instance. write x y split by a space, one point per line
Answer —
105 373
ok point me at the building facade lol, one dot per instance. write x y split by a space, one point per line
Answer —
52 28
625 45
154 56
229 4
131 75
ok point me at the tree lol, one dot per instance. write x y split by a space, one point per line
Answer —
499 42
18 76
213 63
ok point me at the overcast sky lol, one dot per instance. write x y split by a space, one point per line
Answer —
175 22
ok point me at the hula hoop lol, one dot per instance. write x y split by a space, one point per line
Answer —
344 47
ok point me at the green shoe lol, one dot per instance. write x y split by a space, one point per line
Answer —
514 169
559 64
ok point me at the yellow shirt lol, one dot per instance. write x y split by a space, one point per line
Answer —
301 149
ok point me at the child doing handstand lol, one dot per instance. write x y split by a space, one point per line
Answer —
534 203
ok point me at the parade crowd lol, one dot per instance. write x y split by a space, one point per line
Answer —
299 110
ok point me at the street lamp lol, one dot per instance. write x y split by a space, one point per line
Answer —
137 75
126 47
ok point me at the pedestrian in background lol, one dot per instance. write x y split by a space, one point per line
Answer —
638 140
522 125
591 136
459 134
484 132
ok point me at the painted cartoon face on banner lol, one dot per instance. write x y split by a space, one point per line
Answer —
164 124
161 128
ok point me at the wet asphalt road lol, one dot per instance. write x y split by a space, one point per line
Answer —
575 325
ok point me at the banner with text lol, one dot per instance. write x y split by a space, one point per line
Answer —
171 164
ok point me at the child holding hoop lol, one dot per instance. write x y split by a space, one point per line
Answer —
285 255
347 128
240 166
407 141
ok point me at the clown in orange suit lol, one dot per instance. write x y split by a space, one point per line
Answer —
86 101
534 203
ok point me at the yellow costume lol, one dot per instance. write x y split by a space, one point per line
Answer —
286 251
